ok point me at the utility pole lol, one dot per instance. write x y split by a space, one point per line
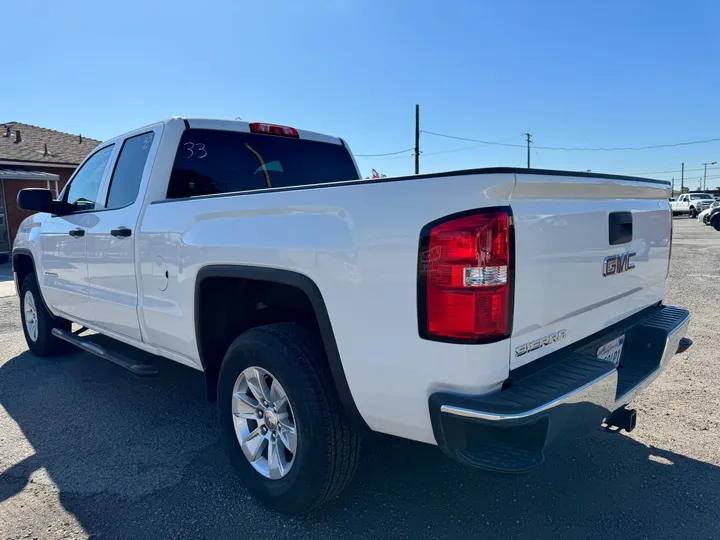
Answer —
682 180
672 188
528 136
417 139
705 174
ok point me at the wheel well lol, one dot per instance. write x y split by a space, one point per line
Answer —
22 266
228 306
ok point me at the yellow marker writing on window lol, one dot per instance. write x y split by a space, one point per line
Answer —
262 164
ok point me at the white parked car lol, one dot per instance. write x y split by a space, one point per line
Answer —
492 312
705 214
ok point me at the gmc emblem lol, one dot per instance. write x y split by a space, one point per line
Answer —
614 264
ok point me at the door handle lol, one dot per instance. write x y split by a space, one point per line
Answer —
121 232
77 233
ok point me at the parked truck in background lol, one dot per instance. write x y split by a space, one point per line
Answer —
492 312
691 203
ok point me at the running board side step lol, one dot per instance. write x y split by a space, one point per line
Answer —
133 366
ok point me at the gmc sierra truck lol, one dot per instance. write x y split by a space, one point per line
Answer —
491 312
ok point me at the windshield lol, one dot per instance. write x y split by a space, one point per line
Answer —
209 162
702 196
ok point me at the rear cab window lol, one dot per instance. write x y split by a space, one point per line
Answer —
210 162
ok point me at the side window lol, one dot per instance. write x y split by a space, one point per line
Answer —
85 185
125 181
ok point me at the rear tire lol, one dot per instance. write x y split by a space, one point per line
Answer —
716 222
326 450
38 323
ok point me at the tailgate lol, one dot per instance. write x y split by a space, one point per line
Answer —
570 280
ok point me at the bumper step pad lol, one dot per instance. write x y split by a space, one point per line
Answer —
568 393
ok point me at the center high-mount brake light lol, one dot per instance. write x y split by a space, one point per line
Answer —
273 129
465 279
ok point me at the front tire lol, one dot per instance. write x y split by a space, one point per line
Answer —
315 462
693 213
37 322
716 223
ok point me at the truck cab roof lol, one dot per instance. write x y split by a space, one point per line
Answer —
226 125
243 126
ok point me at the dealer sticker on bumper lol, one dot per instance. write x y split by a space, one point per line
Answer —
611 351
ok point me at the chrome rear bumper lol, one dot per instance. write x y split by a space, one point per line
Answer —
510 430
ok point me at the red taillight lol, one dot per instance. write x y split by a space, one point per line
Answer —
465 265
272 129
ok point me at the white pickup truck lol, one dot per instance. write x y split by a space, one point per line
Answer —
691 203
491 312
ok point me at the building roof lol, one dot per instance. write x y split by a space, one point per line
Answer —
62 148
20 174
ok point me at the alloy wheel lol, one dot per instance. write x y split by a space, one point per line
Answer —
31 318
264 422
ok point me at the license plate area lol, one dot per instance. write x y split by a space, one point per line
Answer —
612 350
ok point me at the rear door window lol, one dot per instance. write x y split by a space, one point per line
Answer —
210 162
125 181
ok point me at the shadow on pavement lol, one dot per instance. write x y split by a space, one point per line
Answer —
140 458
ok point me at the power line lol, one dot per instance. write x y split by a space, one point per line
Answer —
385 154
674 171
578 149
467 147
472 140
439 152
388 157
624 148
698 178
451 151
427 154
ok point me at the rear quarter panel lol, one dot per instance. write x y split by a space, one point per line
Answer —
359 244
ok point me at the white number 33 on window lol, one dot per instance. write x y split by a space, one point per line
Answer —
196 150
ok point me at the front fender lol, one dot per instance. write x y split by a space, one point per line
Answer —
28 234
27 243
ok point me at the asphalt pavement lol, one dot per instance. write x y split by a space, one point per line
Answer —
89 451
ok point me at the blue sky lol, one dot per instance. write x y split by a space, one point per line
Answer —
574 74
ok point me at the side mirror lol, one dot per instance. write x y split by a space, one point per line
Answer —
41 200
